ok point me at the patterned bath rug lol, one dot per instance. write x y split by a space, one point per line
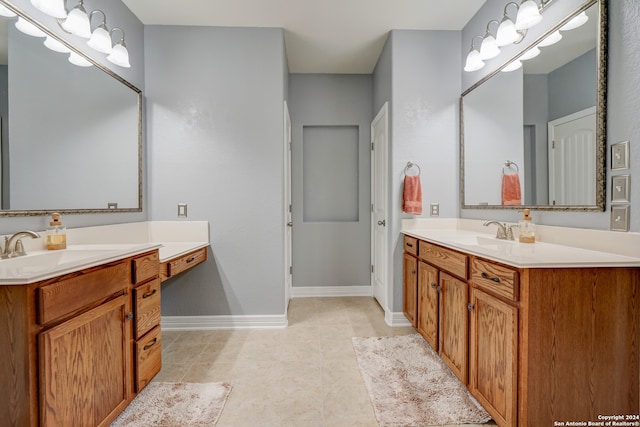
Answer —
409 385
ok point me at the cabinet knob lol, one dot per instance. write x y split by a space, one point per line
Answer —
439 289
129 316
470 307
433 285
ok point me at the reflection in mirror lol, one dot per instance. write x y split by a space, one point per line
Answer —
534 135
71 135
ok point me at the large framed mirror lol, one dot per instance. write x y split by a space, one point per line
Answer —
71 137
535 136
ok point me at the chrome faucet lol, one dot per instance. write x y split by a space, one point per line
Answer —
18 250
504 232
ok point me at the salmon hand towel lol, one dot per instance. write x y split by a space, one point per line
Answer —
511 194
412 195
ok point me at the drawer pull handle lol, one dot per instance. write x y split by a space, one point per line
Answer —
147 295
151 344
190 260
410 245
486 276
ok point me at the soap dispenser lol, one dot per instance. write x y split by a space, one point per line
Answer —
56 234
527 229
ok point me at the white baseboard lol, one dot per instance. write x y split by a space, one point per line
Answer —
331 291
190 323
396 319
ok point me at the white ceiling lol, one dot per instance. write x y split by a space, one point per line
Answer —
321 36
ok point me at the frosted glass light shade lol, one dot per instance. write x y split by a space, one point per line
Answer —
77 22
512 67
54 8
119 55
78 60
552 38
474 62
528 15
101 40
28 28
531 53
575 22
507 33
55 45
4 11
489 48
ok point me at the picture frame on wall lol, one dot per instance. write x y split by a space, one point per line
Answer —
620 155
620 218
620 188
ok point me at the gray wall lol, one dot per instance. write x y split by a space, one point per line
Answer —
118 15
337 252
623 100
536 115
414 75
215 124
573 87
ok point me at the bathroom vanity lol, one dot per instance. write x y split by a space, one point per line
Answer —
538 332
80 328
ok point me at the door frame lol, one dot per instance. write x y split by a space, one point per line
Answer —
383 114
288 220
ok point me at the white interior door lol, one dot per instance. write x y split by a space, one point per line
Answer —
287 205
572 159
379 138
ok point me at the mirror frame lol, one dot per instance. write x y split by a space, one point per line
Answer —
601 116
109 72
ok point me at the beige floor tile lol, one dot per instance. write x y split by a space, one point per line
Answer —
304 375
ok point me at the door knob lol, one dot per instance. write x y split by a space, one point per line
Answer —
290 224
382 222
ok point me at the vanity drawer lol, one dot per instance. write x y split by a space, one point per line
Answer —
59 299
147 307
182 263
445 259
411 245
494 278
145 267
148 358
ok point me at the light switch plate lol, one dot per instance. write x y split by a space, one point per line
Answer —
620 218
435 209
182 210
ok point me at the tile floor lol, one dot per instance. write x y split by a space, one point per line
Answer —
303 375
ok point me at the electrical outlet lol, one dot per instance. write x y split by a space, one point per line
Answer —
435 209
182 210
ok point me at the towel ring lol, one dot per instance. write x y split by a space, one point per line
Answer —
409 166
508 164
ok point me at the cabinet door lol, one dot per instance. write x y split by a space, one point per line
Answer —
454 326
85 366
410 289
428 303
493 357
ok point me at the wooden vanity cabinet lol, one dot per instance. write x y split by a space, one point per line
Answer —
410 289
69 346
442 309
177 265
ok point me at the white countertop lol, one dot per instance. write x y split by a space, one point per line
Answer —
92 246
514 253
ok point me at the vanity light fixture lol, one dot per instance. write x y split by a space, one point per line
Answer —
77 22
489 48
54 8
507 33
473 62
28 28
6 12
78 60
528 15
55 45
575 22
120 54
552 38
100 37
